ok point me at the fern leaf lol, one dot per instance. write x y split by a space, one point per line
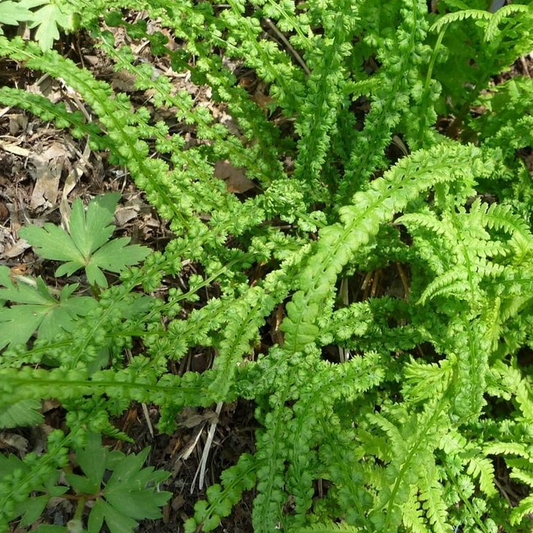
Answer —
522 475
20 414
522 509
508 448
242 327
453 282
474 14
492 27
432 495
413 515
221 498
338 243
482 468
271 455
48 111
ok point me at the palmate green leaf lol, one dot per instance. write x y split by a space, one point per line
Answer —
86 244
130 494
116 253
38 309
13 13
116 521
92 228
93 458
49 18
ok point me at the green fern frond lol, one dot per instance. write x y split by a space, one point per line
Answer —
432 496
413 514
525 507
221 498
506 11
48 111
482 468
466 14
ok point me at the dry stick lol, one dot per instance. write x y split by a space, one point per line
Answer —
286 42
191 445
403 279
375 282
146 413
344 354
525 67
207 447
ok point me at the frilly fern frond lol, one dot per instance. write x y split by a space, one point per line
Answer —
391 98
48 111
221 498
361 221
376 312
492 27
324 98
65 384
465 14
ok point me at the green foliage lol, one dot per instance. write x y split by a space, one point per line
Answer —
85 244
50 312
48 16
128 495
372 295
222 498
13 13
20 414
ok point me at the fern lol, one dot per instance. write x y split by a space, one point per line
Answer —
465 14
221 499
371 294
497 18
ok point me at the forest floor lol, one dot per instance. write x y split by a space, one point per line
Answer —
42 171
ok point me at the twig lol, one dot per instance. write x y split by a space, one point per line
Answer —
207 447
286 42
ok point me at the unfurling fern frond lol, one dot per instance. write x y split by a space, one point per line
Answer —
492 27
465 14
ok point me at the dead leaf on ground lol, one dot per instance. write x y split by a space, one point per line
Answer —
17 123
123 81
131 210
47 173
10 440
178 502
14 250
77 170
4 212
7 242
235 178
48 405
43 86
14 149
192 420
